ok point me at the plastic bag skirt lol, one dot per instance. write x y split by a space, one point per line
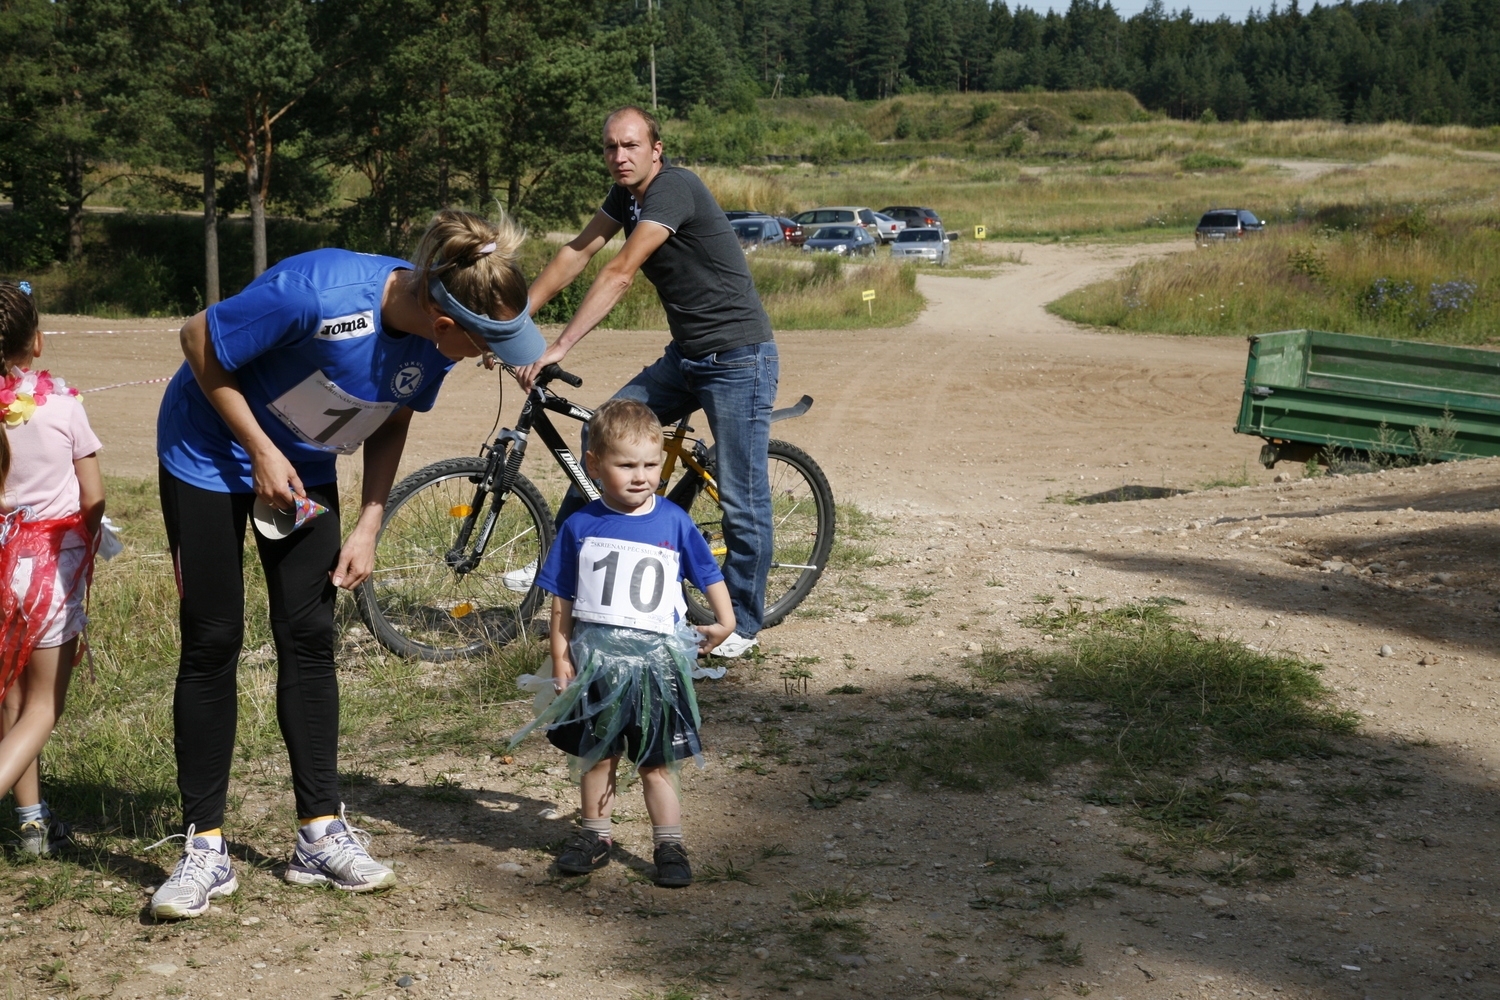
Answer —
632 697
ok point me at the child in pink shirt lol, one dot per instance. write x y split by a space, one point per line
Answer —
54 502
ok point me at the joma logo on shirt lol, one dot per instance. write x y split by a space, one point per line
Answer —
360 324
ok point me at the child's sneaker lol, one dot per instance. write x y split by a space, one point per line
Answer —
584 852
44 836
202 873
338 858
672 868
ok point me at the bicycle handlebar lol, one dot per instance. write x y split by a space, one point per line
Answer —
548 374
551 372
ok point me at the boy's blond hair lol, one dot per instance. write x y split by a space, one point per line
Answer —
621 420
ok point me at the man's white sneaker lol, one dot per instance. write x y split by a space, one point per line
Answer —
338 858
202 873
734 647
520 580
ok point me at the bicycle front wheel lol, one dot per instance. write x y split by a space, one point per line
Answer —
416 603
802 522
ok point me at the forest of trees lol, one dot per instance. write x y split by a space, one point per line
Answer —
1427 61
371 113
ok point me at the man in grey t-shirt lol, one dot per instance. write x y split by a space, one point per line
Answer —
722 358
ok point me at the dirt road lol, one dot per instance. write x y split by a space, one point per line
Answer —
984 383
955 431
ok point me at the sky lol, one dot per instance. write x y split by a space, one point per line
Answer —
1203 10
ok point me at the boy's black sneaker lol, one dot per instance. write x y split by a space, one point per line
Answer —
672 868
44 837
584 852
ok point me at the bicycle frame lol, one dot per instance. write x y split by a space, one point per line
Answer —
509 450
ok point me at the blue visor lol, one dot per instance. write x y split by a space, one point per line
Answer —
515 341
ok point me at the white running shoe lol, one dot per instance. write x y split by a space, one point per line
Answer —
520 580
203 873
734 647
338 858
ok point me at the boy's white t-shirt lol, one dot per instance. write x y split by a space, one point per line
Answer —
42 453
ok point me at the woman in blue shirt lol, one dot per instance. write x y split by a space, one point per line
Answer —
323 353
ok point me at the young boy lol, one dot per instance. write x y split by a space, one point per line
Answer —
622 650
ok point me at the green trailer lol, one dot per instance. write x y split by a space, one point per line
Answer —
1312 394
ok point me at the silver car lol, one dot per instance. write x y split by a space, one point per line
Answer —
928 243
838 214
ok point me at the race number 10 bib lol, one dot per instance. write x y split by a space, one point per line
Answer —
627 583
327 417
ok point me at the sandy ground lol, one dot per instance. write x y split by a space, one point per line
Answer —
956 430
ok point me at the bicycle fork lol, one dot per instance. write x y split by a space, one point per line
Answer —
497 479
502 469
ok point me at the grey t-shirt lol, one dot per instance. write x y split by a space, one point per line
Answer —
700 272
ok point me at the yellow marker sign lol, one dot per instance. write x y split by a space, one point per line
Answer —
980 232
869 295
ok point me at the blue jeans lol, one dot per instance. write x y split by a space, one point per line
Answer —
736 390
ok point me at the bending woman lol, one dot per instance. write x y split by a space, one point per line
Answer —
323 353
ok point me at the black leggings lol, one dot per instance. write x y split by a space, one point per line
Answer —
206 532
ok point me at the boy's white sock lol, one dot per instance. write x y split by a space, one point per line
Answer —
663 834
601 827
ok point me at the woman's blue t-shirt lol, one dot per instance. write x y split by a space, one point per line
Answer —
317 367
666 526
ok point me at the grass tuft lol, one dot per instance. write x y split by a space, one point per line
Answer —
1136 689
829 898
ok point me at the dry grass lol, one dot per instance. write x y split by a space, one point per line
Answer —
747 190
1135 198
1394 273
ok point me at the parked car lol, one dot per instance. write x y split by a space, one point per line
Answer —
886 227
850 240
914 216
758 231
792 230
742 214
1226 224
836 214
928 243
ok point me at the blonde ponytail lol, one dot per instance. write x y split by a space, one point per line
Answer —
478 261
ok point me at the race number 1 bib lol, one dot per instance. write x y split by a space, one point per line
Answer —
327 417
627 583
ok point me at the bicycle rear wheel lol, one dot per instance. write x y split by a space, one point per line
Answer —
803 523
414 602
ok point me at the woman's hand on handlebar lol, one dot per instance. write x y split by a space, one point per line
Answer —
526 377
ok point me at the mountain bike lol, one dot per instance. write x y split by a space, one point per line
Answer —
461 538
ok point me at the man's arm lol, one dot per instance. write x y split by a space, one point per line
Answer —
609 287
572 259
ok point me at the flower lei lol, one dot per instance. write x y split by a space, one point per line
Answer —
23 390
